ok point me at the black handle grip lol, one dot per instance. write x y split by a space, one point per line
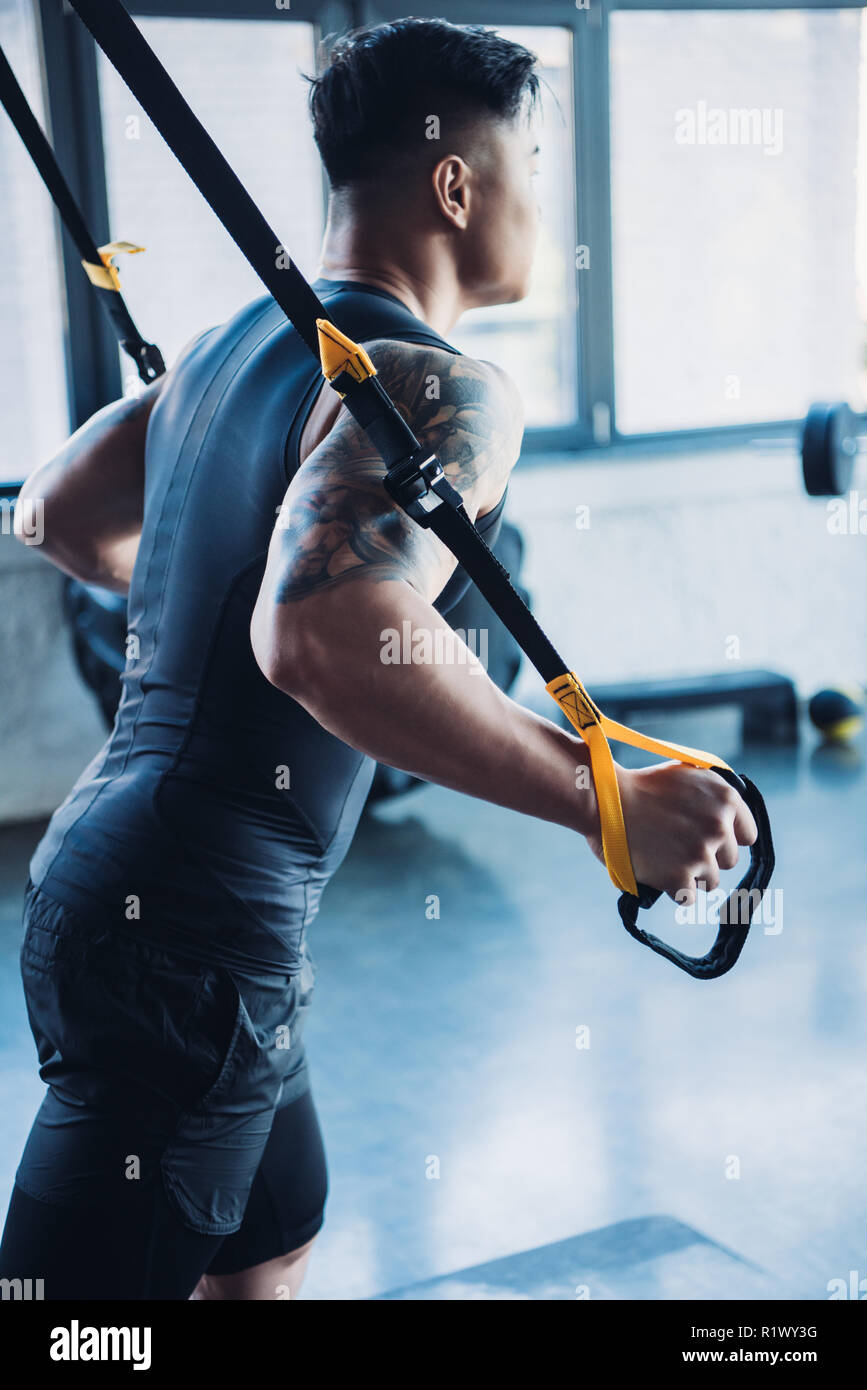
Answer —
736 912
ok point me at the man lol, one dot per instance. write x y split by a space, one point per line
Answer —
177 1152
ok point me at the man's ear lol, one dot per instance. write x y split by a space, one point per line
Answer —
451 181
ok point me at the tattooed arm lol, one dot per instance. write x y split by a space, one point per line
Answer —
346 568
337 517
90 496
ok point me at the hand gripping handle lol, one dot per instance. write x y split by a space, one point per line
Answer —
736 912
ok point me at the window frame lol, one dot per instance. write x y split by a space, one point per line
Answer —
591 117
594 320
712 436
70 85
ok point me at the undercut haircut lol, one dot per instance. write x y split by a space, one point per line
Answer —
373 102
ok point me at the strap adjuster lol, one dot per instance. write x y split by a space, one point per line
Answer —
147 357
420 487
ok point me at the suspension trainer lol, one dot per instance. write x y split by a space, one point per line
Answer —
98 261
415 481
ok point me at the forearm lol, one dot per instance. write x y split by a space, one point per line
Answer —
110 567
106 560
89 497
441 719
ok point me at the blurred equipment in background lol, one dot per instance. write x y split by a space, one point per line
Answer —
767 702
97 618
838 712
829 445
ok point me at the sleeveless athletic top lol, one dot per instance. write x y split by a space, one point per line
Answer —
217 809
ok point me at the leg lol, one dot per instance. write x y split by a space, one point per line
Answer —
131 1039
136 1248
267 1258
279 1278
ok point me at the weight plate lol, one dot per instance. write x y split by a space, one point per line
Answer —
828 449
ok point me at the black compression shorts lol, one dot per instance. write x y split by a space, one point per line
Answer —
178 1135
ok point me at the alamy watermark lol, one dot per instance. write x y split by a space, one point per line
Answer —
739 125
421 646
735 909
77 1343
27 515
22 1290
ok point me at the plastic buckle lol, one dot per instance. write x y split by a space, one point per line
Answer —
148 359
410 484
151 364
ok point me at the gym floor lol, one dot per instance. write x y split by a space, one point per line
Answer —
517 1075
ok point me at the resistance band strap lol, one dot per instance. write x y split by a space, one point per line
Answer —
126 47
97 261
414 479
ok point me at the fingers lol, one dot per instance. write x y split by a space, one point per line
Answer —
700 876
731 826
692 825
746 831
727 855
705 877
684 897
725 825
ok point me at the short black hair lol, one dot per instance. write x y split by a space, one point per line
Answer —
371 101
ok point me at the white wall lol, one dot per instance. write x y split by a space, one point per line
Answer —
684 552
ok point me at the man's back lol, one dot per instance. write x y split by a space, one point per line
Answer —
218 801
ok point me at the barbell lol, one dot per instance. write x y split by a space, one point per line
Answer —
829 445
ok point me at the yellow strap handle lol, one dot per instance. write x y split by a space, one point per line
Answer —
596 729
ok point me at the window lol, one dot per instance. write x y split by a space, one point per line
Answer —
738 188
737 286
536 340
243 80
33 400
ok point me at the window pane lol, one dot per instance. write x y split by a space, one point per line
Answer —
33 404
243 80
536 341
737 193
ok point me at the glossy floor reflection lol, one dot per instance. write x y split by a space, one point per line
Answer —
656 1258
462 954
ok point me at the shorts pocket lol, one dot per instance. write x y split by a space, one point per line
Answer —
120 1020
209 1163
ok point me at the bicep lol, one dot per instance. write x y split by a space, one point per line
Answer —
338 523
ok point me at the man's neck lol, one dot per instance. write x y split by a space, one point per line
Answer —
407 267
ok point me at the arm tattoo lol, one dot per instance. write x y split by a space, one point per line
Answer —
338 521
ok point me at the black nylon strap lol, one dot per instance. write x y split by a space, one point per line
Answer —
145 355
376 413
183 132
454 528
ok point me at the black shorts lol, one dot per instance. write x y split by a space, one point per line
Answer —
178 1135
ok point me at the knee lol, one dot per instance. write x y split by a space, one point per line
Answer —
276 1279
286 1274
